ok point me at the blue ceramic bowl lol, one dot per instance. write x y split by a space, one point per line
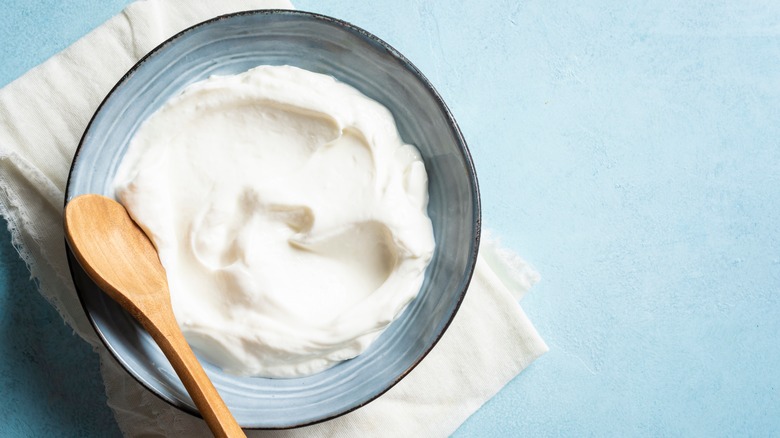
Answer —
235 43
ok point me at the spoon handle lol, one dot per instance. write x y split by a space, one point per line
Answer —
165 331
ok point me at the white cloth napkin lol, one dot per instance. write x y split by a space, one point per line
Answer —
42 117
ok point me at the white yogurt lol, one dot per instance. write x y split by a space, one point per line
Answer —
288 213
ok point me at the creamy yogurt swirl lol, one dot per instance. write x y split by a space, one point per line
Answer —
288 213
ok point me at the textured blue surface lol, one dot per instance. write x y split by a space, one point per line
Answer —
629 150
49 378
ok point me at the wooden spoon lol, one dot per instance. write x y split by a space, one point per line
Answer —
120 259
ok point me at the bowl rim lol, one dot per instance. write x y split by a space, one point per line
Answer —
453 125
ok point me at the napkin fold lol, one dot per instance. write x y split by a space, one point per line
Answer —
42 117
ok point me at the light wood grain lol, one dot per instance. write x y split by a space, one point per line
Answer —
120 259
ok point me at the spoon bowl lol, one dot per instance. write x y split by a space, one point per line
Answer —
120 258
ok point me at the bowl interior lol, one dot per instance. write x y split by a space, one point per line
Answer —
235 43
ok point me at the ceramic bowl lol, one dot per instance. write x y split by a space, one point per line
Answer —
235 43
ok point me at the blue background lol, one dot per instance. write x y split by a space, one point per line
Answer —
631 152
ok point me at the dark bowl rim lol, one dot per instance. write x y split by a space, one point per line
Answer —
462 146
